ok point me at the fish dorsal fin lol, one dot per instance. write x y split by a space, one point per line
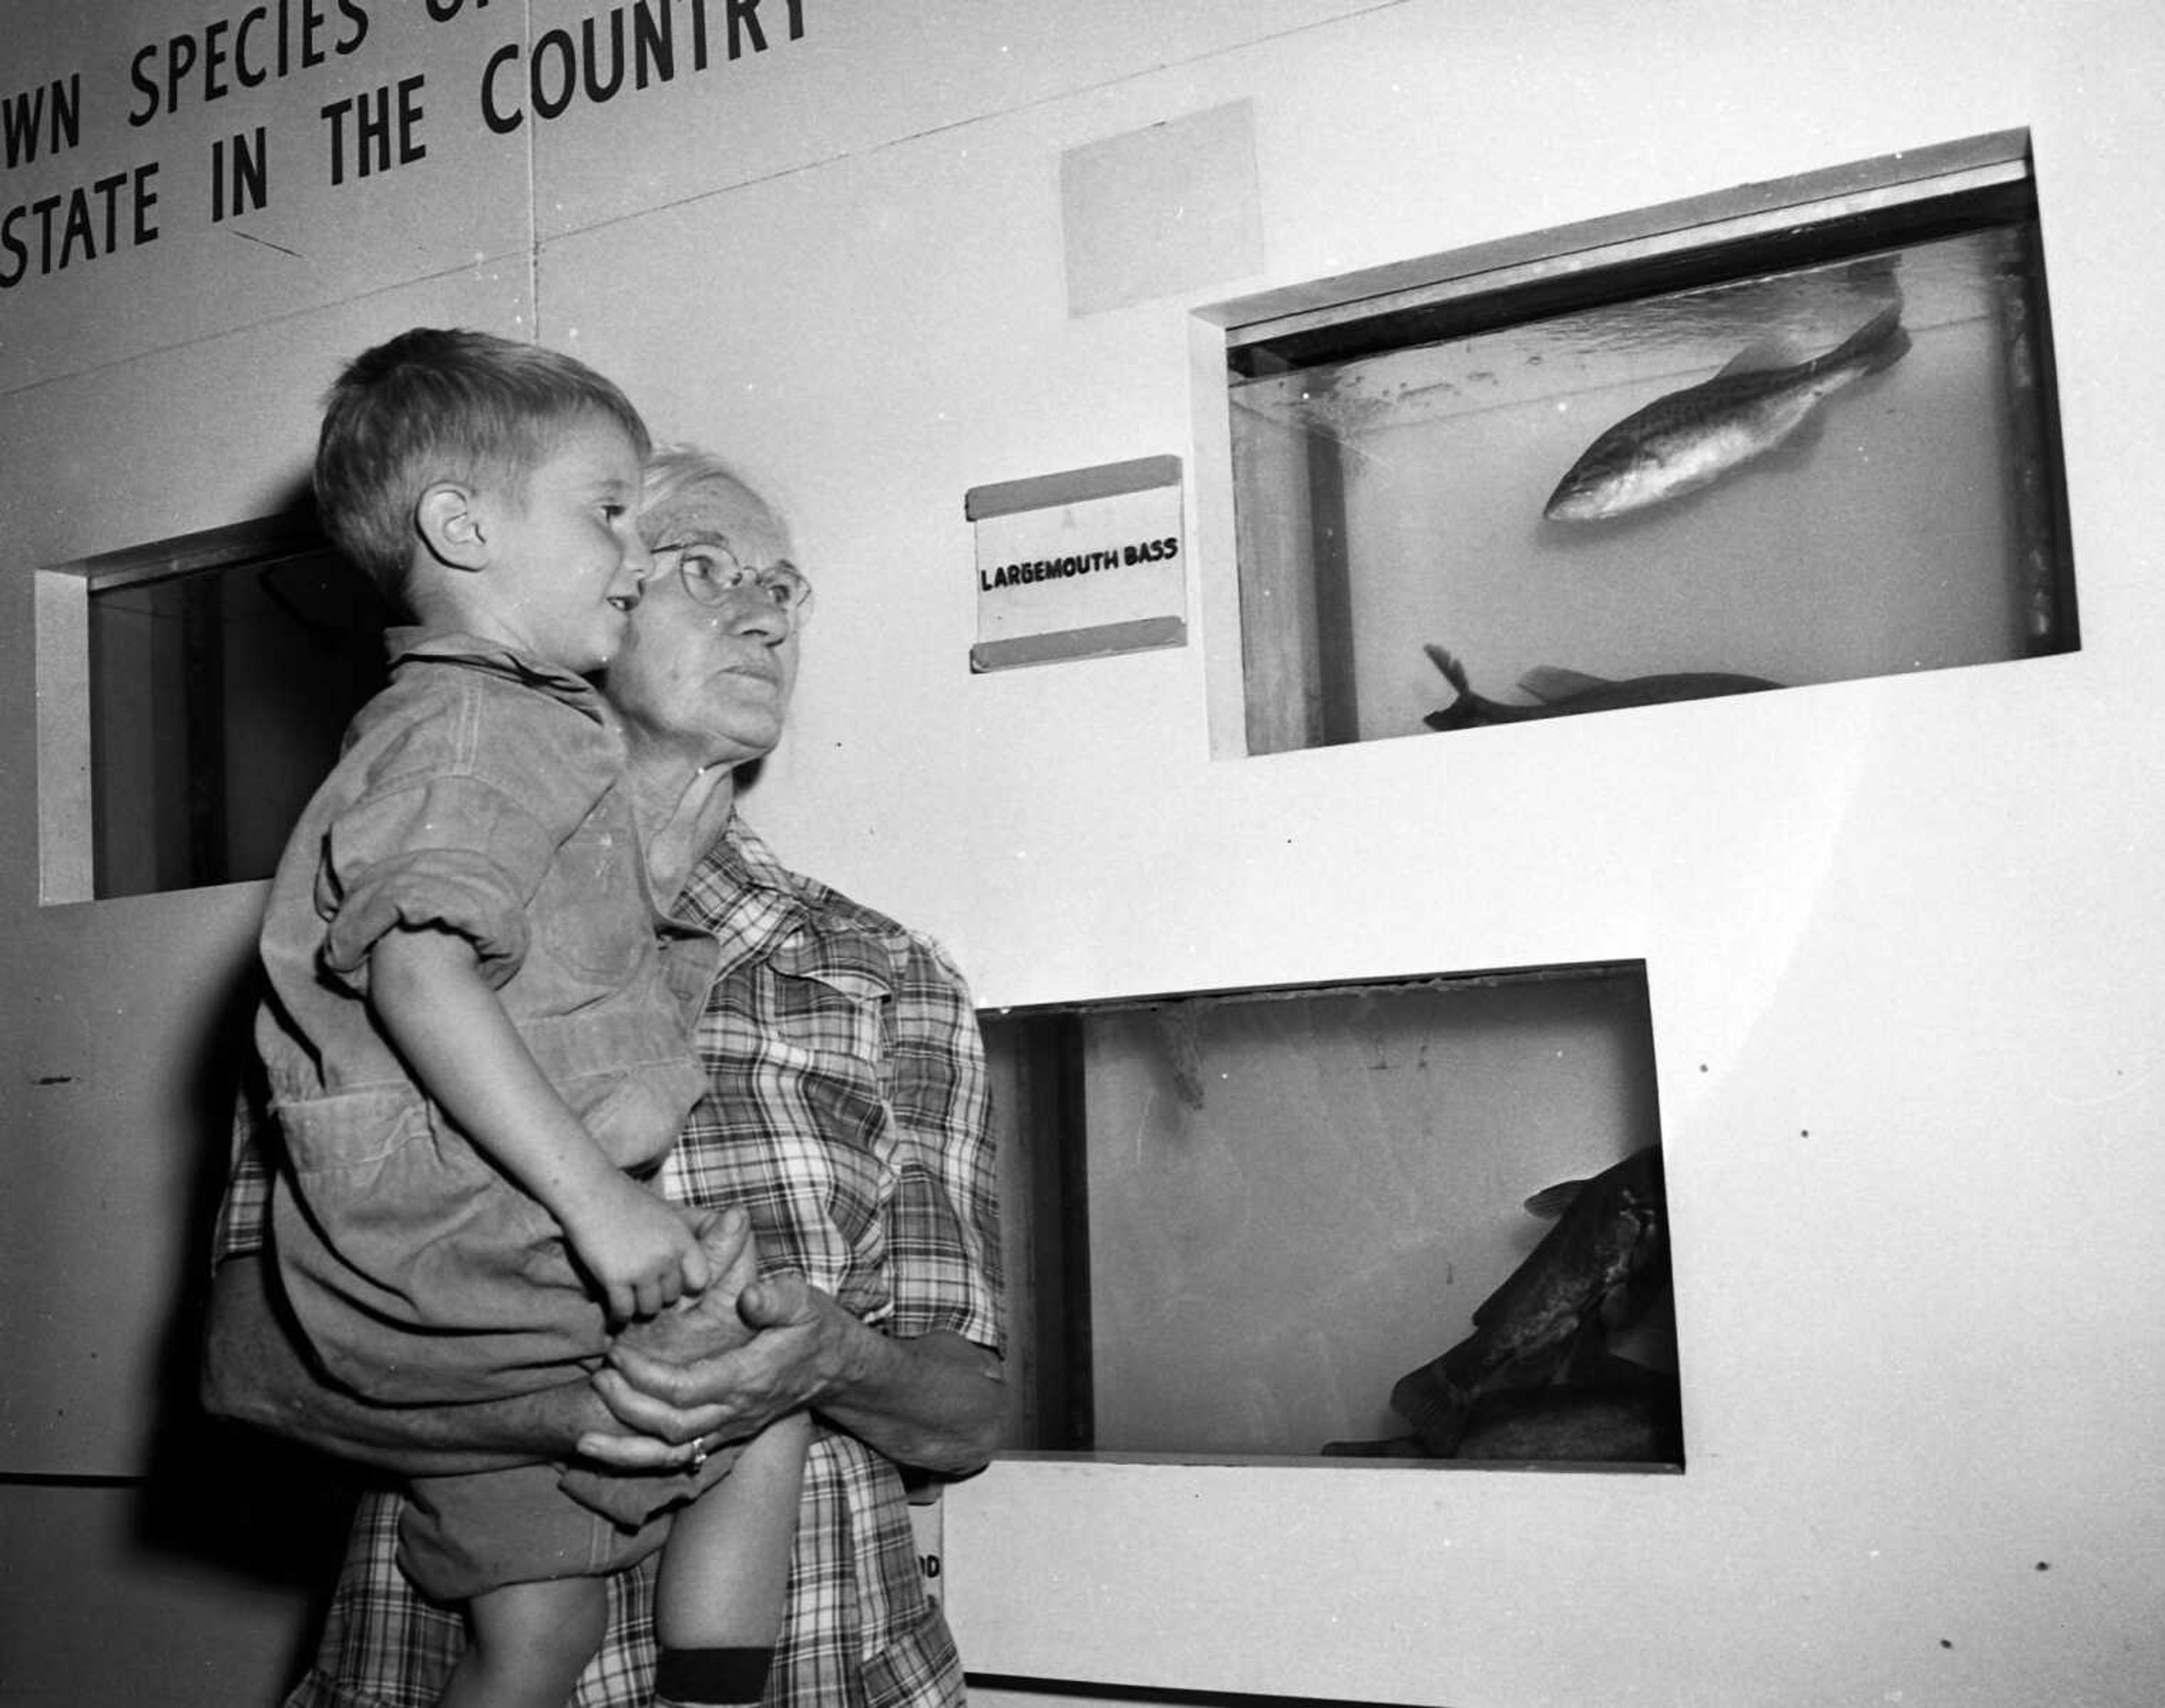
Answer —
1761 357
1553 684
1551 1202
1453 671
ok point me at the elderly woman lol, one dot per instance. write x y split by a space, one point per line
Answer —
879 1310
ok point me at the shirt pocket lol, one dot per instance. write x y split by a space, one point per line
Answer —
589 915
833 998
821 1051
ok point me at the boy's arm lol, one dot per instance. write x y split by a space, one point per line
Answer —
426 988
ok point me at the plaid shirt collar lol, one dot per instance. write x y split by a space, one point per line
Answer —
746 896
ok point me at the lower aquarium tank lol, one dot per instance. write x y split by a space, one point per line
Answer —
1414 1219
1793 434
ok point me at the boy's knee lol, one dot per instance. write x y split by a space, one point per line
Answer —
546 1631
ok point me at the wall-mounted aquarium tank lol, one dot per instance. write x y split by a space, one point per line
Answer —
202 683
1417 1219
1797 433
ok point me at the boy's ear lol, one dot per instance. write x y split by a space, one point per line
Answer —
451 526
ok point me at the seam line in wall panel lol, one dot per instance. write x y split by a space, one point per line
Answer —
61 1480
975 118
311 311
531 130
1097 1692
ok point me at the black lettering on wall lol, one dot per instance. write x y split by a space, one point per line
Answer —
372 121
239 178
53 113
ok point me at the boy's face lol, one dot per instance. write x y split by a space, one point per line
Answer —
566 561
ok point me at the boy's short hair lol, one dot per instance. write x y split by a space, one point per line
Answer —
443 404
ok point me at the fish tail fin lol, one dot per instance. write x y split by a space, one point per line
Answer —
1890 350
1880 343
1453 671
1465 709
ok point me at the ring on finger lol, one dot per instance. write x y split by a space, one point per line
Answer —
699 1453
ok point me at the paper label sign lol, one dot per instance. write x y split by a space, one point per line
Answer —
1080 565
925 1525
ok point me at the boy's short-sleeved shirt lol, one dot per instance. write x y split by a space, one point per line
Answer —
480 794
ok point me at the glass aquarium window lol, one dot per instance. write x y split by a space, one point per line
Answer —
219 690
1799 434
1294 1223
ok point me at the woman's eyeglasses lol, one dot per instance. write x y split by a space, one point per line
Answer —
711 573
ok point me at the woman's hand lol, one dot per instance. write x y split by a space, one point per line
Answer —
702 1375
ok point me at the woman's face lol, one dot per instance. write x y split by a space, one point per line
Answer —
716 677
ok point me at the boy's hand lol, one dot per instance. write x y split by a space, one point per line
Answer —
638 1249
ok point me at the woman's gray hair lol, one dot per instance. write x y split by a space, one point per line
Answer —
677 476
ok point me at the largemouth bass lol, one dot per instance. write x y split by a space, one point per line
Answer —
1590 1422
1594 1274
1560 693
1691 438
1620 1411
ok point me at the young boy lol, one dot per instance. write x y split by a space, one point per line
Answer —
474 1047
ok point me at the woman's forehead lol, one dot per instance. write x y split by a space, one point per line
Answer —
714 514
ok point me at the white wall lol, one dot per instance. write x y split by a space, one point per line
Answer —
1903 935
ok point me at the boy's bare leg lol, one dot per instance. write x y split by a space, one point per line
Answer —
725 1572
529 1643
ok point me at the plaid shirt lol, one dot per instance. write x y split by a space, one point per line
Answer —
849 1116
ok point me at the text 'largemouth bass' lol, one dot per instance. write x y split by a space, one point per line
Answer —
1690 438
1564 693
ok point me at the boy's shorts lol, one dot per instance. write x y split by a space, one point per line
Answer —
459 1535
420 1274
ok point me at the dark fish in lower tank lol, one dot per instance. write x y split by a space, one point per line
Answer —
1397 1446
1594 1274
1618 1412
1560 693
1616 1418
1691 438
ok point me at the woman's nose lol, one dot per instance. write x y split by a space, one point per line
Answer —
758 614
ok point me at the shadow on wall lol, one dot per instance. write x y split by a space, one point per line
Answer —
218 1495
